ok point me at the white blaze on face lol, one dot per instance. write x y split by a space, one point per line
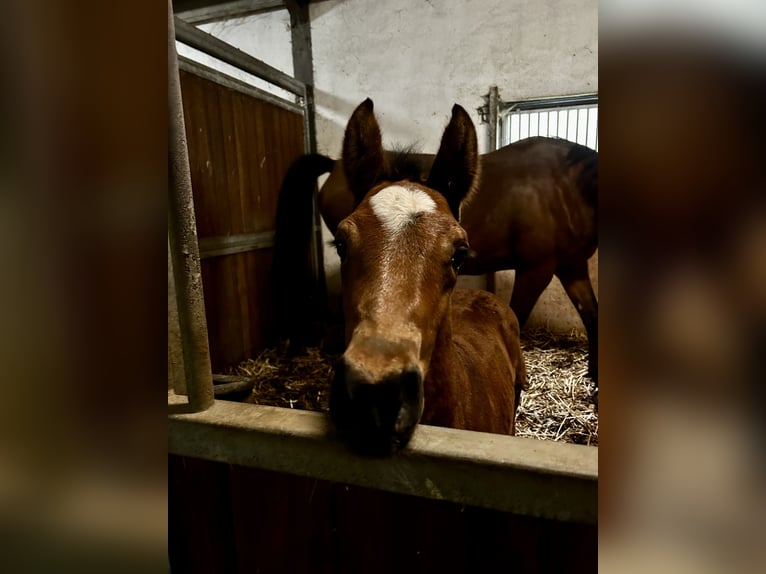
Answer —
397 206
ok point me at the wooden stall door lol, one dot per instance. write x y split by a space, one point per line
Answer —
239 150
230 519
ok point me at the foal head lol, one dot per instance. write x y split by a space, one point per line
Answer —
400 251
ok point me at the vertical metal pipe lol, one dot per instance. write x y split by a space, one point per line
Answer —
539 116
577 125
184 250
303 67
494 101
516 133
176 371
492 105
595 145
492 120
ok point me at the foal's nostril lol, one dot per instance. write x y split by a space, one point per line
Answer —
376 416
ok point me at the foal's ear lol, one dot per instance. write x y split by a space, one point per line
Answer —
455 170
363 160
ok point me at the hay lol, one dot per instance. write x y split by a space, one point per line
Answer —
557 404
294 382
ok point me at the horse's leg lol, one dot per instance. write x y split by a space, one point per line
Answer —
527 288
577 284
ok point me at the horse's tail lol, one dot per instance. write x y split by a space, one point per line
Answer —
587 160
298 296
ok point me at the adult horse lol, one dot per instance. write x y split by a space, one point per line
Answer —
534 211
417 349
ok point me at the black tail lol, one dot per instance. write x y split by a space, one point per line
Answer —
588 179
298 295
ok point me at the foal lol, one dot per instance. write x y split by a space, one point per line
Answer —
417 349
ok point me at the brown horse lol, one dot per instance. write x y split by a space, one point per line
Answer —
534 211
417 349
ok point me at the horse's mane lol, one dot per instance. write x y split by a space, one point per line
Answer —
587 159
580 153
404 164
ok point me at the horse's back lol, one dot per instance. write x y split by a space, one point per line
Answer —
486 336
537 199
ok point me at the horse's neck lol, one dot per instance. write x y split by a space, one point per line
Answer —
441 385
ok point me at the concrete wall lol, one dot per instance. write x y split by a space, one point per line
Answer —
416 58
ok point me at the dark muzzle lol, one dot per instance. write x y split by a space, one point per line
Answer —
375 418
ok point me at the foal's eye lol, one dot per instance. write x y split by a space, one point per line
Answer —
340 247
458 257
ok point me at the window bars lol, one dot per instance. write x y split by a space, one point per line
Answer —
574 118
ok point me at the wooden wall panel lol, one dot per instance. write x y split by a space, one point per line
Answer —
239 151
284 523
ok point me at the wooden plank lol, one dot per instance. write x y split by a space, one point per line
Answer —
262 297
240 149
200 528
293 531
287 523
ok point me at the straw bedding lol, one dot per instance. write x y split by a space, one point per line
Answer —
556 406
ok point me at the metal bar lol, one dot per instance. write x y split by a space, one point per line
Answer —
182 231
230 244
555 115
211 45
229 384
518 127
596 144
494 98
539 103
176 374
227 10
303 66
577 126
222 79
518 475
529 123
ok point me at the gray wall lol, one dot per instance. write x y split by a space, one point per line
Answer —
415 58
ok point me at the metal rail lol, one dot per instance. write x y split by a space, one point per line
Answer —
542 103
212 46
518 475
303 65
564 117
222 79
227 10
